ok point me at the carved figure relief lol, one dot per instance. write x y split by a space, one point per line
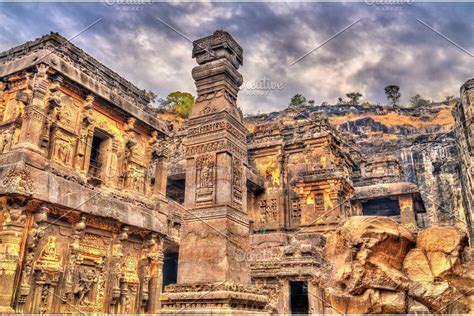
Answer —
62 152
87 279
205 178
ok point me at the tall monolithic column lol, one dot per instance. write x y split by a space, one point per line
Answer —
216 229
215 234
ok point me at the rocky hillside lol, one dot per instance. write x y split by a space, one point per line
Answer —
366 124
421 138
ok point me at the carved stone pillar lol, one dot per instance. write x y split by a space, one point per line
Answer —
84 145
11 238
35 111
216 226
152 275
159 158
34 236
116 270
72 262
53 113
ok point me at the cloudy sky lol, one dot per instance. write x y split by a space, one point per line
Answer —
366 46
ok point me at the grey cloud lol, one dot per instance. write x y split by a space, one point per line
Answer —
385 47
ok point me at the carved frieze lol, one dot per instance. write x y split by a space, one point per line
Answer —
220 145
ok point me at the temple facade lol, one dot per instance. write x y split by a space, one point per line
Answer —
84 218
105 209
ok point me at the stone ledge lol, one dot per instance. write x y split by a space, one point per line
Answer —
23 179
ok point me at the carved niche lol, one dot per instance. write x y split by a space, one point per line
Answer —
205 178
87 279
62 150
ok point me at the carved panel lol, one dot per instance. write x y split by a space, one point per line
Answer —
205 179
63 148
89 275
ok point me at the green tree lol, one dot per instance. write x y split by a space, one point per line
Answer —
354 97
179 103
393 93
297 100
417 100
340 100
311 102
366 105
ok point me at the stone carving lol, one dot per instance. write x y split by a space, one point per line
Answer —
63 151
205 178
158 147
19 178
116 273
87 279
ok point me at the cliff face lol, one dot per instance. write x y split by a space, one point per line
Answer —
422 139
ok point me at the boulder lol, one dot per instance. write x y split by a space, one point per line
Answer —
448 239
369 302
368 252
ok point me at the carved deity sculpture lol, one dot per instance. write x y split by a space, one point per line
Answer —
129 134
53 109
88 277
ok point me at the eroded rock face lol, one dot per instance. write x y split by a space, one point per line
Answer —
378 266
367 252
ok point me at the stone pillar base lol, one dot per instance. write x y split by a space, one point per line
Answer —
213 298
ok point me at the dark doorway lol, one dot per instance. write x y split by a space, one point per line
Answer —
299 297
170 268
381 207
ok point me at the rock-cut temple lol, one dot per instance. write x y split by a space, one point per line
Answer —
105 209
